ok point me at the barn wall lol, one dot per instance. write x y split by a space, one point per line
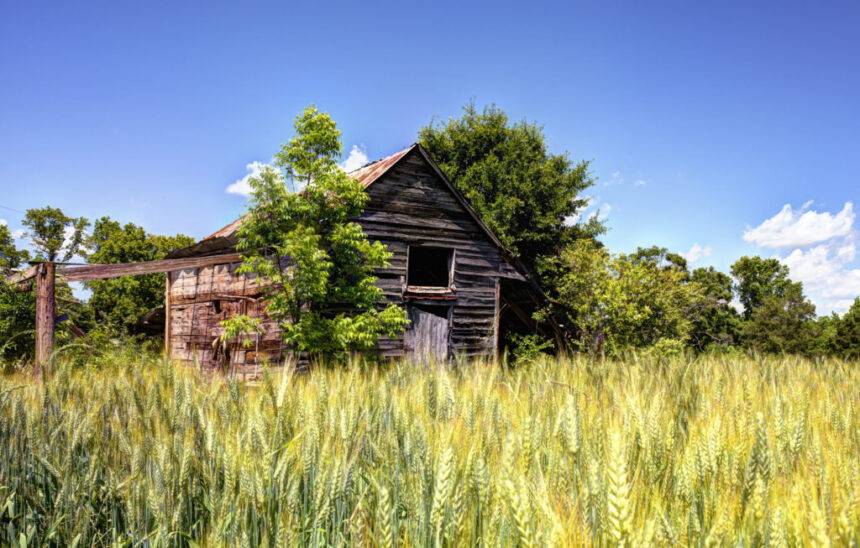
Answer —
200 298
410 205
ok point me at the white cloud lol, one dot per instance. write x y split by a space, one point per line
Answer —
357 158
697 252
827 275
640 182
242 187
823 252
800 228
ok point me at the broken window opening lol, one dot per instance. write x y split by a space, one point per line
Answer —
430 266
217 305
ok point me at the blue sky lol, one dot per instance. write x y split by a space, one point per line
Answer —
701 120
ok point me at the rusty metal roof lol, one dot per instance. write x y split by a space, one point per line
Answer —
228 230
369 173
366 175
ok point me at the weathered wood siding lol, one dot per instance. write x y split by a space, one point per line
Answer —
409 205
200 298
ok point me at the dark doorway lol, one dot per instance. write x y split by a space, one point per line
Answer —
517 304
426 339
429 266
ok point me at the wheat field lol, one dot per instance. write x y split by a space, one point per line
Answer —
709 451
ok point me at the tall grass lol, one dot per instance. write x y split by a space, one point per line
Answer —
707 452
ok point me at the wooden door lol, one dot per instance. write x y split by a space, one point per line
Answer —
427 337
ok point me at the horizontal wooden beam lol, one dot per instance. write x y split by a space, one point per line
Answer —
105 271
23 276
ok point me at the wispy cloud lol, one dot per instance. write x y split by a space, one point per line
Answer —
697 252
242 187
357 157
614 179
617 178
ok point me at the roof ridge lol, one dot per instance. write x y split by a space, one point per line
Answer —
382 158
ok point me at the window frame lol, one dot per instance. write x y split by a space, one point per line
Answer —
431 289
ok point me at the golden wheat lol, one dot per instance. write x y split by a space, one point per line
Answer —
712 451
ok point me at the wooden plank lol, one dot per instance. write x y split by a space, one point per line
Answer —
167 283
45 277
496 317
23 276
103 271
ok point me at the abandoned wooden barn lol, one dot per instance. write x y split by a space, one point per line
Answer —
462 290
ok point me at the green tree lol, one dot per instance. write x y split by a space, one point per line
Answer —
781 322
757 279
660 257
318 260
823 336
119 303
17 321
17 307
55 236
621 302
527 196
847 340
10 256
715 322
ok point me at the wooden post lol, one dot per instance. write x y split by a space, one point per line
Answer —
497 317
167 315
45 275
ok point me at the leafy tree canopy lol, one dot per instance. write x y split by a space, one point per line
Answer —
120 303
10 256
757 279
847 340
620 302
715 322
527 196
659 257
319 261
55 236
781 321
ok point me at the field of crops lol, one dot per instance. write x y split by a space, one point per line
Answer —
572 452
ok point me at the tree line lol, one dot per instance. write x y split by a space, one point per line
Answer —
604 303
607 303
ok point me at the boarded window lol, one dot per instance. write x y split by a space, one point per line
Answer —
430 266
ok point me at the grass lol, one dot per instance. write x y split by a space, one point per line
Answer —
572 452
